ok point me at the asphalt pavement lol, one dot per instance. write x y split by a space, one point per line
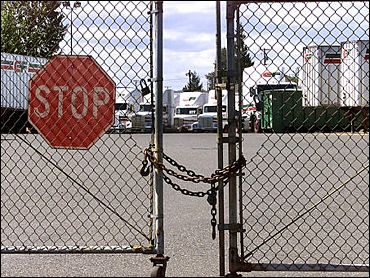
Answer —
187 228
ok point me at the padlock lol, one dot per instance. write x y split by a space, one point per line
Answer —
144 87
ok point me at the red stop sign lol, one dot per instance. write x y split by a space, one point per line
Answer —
71 102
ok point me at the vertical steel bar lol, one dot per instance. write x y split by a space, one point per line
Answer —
151 182
151 68
240 70
158 91
71 31
230 86
220 148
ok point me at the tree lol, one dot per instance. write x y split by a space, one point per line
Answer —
32 28
245 60
194 83
211 76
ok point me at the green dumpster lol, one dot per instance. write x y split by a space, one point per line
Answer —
282 110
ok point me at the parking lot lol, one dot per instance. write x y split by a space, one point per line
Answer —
187 229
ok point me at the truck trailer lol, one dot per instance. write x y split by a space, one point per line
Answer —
354 80
320 75
16 72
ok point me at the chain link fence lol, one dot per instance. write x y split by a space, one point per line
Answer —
73 200
305 193
304 196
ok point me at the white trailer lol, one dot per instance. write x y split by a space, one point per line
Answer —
190 106
16 72
355 73
320 75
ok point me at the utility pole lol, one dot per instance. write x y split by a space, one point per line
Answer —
67 5
189 74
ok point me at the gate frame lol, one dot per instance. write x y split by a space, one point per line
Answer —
237 263
151 237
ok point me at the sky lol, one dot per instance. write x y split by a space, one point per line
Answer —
115 33
189 40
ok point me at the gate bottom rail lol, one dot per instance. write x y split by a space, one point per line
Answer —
77 249
303 267
308 267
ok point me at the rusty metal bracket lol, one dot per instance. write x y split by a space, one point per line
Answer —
231 227
220 86
227 140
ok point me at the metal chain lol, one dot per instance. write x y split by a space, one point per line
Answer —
191 175
212 200
189 192
219 175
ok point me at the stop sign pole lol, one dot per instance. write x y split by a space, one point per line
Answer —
71 101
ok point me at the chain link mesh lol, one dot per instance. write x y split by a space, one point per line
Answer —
314 141
314 153
95 200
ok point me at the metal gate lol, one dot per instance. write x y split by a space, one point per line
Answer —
68 200
300 204
304 195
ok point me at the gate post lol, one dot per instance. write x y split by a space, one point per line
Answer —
230 86
158 126
160 261
220 148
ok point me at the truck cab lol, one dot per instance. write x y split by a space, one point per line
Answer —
189 108
124 108
207 120
185 117
142 120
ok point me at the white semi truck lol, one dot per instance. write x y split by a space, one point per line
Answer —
142 119
207 120
190 106
126 105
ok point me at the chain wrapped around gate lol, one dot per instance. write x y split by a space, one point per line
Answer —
191 176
